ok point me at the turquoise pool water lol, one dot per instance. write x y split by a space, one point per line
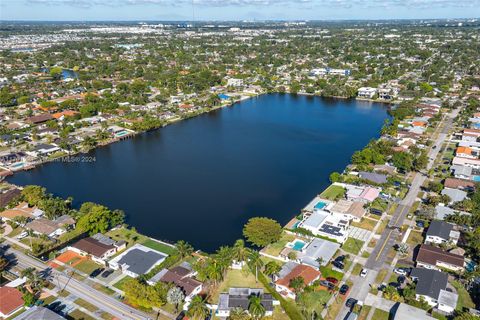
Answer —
476 178
298 245
295 226
320 205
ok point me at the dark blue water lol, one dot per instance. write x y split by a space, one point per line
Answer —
203 178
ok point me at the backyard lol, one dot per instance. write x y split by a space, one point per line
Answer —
333 192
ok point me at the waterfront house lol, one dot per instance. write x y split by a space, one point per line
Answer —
293 270
98 247
318 250
10 301
453 183
431 285
323 223
431 257
137 260
441 232
366 92
350 210
373 177
21 210
51 228
239 298
8 194
181 276
462 172
360 193
42 150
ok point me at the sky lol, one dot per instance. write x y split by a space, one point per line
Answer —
187 10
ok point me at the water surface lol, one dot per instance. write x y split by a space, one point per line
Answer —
203 178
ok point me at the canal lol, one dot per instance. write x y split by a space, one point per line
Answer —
201 179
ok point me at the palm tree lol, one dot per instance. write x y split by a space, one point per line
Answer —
255 307
255 262
175 296
224 256
197 310
239 251
33 279
272 268
238 314
184 248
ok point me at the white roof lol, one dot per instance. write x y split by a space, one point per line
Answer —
448 298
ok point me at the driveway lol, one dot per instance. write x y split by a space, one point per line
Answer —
359 233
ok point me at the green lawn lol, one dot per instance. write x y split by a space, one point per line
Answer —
329 272
79 315
235 279
86 305
415 238
379 314
352 245
87 266
121 283
159 246
464 299
364 313
356 269
333 192
274 249
365 223
381 276
382 226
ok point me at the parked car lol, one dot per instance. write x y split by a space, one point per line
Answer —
60 308
401 279
338 264
53 305
400 271
363 273
332 280
96 272
106 273
351 302
22 235
327 284
344 289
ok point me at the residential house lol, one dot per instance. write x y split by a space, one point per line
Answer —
453 183
403 311
462 172
317 250
42 150
447 301
455 195
366 92
37 312
181 276
441 212
474 163
350 210
21 210
431 257
430 283
7 195
41 118
51 228
323 223
239 298
98 247
441 232
359 193
373 177
10 301
290 271
137 260
465 152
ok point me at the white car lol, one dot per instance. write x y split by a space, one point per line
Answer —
22 235
363 273
400 271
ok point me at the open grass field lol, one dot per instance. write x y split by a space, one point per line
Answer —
155 245
121 283
274 249
352 245
234 279
333 192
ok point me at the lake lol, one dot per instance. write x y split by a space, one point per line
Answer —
201 179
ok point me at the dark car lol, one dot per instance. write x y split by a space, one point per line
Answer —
327 284
96 272
338 264
351 302
106 273
53 305
340 258
401 279
332 280
343 289
181 316
60 308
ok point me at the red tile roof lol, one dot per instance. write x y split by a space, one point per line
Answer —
10 300
308 274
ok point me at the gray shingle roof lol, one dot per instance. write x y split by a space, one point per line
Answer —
429 282
440 229
139 261
37 313
374 177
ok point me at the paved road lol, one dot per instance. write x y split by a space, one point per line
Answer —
388 239
87 293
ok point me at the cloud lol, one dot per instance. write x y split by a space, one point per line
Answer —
346 4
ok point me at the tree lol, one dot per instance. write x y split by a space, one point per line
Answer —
198 310
403 161
138 293
238 314
254 262
184 248
33 194
262 231
311 303
175 296
28 298
56 73
239 251
272 268
391 293
255 307
297 284
335 177
96 218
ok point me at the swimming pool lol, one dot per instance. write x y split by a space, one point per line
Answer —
476 178
295 225
298 245
320 205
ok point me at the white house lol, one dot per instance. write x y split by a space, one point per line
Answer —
366 92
